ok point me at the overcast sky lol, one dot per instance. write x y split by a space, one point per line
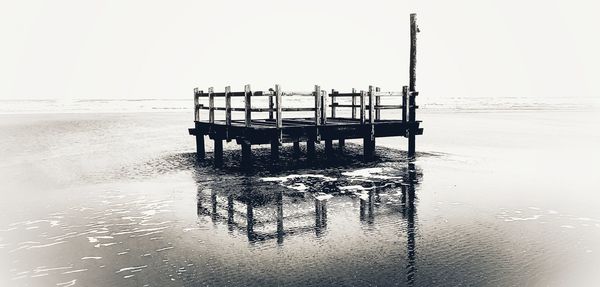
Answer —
163 49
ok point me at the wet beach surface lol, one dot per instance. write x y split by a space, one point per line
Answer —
118 200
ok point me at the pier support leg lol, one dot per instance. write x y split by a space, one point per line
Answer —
310 149
218 152
274 151
200 152
411 144
296 149
328 148
368 148
246 155
342 144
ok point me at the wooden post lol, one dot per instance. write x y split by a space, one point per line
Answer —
218 152
196 105
353 103
227 111
328 148
362 107
404 103
279 123
333 103
323 107
369 136
228 106
271 107
211 105
310 149
377 104
296 152
412 86
200 152
246 155
280 232
248 105
341 143
250 221
317 94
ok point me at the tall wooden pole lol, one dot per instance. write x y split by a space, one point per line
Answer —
412 130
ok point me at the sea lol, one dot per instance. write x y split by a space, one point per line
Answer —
503 192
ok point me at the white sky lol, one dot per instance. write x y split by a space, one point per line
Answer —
163 49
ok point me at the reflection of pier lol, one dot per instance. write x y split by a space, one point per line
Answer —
273 212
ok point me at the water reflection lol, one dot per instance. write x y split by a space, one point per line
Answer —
277 208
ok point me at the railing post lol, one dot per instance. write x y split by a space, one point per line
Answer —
362 107
279 123
196 107
371 105
323 107
353 103
377 105
404 103
317 94
228 105
271 107
369 134
248 105
333 103
211 106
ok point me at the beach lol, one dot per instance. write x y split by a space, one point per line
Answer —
496 197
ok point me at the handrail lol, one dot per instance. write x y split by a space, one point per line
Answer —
369 104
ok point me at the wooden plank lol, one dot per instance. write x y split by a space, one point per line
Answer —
413 53
404 102
371 107
211 106
247 106
271 105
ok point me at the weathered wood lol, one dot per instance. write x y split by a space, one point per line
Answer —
296 150
310 149
341 143
333 102
271 106
227 105
200 153
323 107
413 53
248 106
196 104
404 103
317 93
377 105
353 103
246 155
371 106
218 152
278 105
362 107
328 147
275 150
211 106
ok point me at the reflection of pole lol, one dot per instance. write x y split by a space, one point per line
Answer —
230 212
410 225
320 215
363 204
280 232
250 222
213 200
371 205
199 208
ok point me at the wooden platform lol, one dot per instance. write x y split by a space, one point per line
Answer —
324 125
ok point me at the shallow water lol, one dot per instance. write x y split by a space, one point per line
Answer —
495 198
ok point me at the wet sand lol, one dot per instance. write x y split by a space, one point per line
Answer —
496 198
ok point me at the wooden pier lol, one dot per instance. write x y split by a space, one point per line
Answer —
363 119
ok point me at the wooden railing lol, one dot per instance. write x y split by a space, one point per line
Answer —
369 104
